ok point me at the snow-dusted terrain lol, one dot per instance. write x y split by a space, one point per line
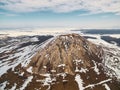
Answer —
35 31
17 49
22 49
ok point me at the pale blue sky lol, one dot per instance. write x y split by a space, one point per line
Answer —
60 13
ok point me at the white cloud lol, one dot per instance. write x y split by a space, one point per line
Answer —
62 6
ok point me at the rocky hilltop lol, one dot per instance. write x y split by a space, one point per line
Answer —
66 62
66 54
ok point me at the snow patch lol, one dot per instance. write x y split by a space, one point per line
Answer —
77 62
26 83
22 74
115 35
107 87
96 68
35 39
61 65
62 74
79 81
47 81
30 70
102 82
83 70
3 85
14 87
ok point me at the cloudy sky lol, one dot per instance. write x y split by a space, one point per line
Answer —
60 13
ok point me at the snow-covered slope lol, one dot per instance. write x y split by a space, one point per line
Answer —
18 50
111 56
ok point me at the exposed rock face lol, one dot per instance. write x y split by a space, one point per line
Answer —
67 53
